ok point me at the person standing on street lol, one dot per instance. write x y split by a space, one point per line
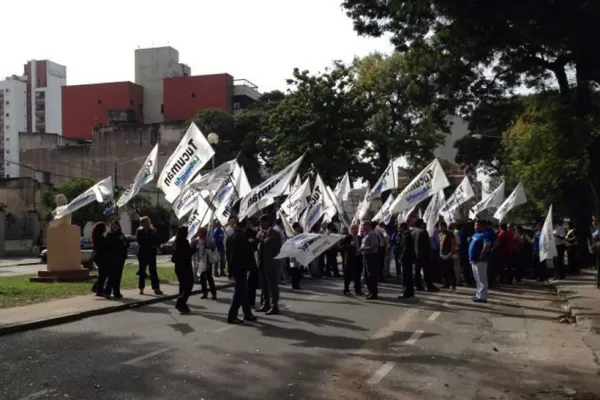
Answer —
283 267
353 263
478 252
239 252
182 257
560 240
253 279
571 245
370 252
148 242
406 258
218 236
423 257
447 248
99 246
269 245
116 252
296 267
205 245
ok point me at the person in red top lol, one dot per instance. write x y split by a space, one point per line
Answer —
506 250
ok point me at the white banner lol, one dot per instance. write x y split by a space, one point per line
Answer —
462 194
386 182
338 209
272 187
343 188
293 186
317 204
143 177
201 216
363 207
101 192
289 231
384 214
432 212
296 202
192 153
547 244
230 194
516 198
305 247
429 181
492 200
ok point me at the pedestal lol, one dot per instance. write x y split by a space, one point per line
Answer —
64 256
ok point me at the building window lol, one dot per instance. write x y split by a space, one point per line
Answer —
193 95
99 101
7 115
7 102
162 108
7 90
7 151
236 105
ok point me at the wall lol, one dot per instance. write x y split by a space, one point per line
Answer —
85 106
183 97
13 119
151 67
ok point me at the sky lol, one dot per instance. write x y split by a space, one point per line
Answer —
258 40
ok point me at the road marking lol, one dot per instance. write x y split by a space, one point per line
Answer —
313 297
446 304
146 356
434 316
38 395
381 373
414 337
225 328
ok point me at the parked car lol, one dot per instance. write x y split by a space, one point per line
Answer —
86 253
167 248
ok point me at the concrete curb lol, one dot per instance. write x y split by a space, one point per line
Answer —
63 319
23 264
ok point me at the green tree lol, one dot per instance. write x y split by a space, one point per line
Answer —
71 189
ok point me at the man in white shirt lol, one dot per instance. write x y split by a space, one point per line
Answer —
560 234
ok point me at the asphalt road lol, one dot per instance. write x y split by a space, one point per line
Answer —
322 346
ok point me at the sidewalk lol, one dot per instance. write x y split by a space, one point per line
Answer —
18 261
583 298
35 316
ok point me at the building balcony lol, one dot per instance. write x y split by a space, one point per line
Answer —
40 100
243 87
40 112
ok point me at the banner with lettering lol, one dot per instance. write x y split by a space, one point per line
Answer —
317 204
272 187
192 153
462 194
431 216
516 198
143 177
363 207
492 200
296 202
387 181
101 192
429 181
336 208
547 243
306 247
236 188
343 188
201 216
384 214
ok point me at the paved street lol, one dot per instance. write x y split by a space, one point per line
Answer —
323 346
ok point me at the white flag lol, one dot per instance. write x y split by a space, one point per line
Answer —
192 153
201 216
343 188
462 194
384 215
296 202
317 204
289 231
305 247
143 177
337 208
432 212
547 244
237 188
516 198
272 187
101 192
386 182
363 207
293 186
492 200
186 202
429 181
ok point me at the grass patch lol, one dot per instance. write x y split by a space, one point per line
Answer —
18 291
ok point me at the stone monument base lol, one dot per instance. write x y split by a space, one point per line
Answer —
77 275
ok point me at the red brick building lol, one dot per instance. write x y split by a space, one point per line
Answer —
85 106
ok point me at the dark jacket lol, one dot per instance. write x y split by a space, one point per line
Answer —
240 252
407 249
147 242
115 248
422 244
182 254
99 246
349 248
269 245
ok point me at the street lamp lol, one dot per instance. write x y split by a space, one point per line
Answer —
213 139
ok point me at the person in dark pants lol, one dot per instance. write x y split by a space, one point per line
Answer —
269 245
239 252
99 246
296 269
116 254
406 258
331 255
560 235
353 261
447 248
571 245
182 257
369 249
423 257
253 279
204 244
148 242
